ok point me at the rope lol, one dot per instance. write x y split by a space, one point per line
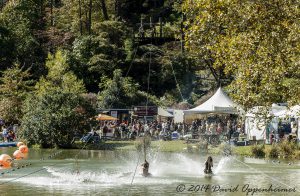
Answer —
148 84
177 85
148 81
132 61
49 157
26 175
134 174
19 167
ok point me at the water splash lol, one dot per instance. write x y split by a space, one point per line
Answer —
222 165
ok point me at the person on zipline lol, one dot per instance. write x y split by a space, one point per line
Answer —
208 165
145 168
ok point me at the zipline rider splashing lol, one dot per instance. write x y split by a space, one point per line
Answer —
208 165
145 168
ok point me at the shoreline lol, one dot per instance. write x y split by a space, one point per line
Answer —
180 146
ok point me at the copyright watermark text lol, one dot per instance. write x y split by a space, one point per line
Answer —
246 188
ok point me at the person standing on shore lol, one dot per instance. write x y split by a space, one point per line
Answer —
4 134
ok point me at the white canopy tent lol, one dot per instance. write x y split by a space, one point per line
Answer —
218 103
164 113
292 112
257 125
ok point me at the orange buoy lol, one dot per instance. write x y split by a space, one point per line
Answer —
5 160
23 149
20 144
18 155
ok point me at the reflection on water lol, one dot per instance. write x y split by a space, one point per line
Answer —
111 173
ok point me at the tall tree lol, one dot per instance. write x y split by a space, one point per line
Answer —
59 76
104 10
90 16
14 88
25 22
118 92
255 41
58 109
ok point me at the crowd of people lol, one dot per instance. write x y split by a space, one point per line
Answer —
165 130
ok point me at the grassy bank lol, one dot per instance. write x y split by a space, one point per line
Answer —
176 146
164 146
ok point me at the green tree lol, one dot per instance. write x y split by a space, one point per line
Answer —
54 118
95 56
257 42
7 46
24 20
59 76
58 109
118 92
15 86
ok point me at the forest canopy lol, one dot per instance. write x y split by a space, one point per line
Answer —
165 51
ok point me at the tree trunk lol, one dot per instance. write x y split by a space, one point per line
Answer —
104 10
80 17
51 13
209 64
90 16
117 8
41 7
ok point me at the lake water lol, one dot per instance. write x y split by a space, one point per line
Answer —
111 173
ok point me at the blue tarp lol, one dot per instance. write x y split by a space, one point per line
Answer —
7 144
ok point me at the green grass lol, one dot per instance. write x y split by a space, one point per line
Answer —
242 150
169 146
173 146
164 146
246 150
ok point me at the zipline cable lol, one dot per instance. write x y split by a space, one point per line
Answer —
136 49
177 84
137 164
147 101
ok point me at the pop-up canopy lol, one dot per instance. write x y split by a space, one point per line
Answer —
103 117
292 112
218 103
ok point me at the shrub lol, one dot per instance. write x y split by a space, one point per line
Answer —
287 149
258 151
272 152
54 118
296 155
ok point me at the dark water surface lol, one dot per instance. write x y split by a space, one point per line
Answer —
111 173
